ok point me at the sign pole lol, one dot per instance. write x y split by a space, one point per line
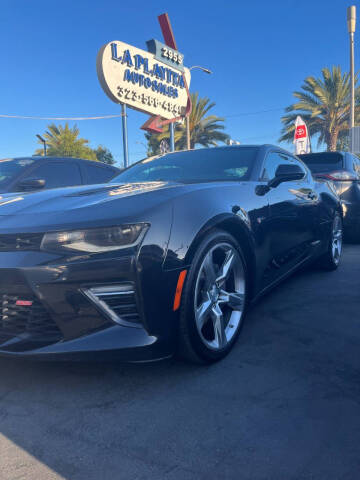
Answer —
351 23
125 135
172 137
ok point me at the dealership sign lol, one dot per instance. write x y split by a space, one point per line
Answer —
301 137
151 82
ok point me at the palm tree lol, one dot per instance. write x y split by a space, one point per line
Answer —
324 104
205 130
64 142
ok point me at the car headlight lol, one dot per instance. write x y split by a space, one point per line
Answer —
95 240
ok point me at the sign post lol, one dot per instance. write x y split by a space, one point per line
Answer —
172 137
125 135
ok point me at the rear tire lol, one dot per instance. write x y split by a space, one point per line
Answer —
331 259
214 300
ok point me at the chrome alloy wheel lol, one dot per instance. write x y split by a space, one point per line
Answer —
336 240
219 296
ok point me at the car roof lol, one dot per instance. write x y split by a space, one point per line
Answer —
41 158
264 147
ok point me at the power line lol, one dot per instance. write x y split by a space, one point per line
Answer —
104 117
31 117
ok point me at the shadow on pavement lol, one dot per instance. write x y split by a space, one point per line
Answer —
284 404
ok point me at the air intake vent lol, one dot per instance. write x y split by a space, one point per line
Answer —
25 316
117 301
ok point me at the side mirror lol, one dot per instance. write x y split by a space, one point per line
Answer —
31 184
286 173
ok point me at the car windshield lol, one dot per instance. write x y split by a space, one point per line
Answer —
323 162
10 168
202 165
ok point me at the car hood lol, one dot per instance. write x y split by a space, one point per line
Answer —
60 199
83 206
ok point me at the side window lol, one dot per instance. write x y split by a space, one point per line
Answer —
98 174
356 165
57 174
297 162
273 160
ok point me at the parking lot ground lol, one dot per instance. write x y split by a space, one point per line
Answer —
284 405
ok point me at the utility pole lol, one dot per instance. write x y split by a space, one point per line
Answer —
351 24
187 118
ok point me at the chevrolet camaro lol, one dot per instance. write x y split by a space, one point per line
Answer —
163 260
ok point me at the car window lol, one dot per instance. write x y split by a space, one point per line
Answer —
98 174
323 162
10 168
300 164
202 165
57 174
273 160
355 164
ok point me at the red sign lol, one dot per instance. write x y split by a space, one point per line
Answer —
153 124
300 132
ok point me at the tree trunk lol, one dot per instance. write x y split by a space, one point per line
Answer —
333 141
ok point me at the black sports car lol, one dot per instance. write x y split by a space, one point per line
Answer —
164 259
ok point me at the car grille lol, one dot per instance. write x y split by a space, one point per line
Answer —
28 241
118 301
24 315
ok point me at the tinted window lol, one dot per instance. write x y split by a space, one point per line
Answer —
323 162
273 160
202 165
10 168
355 164
98 174
57 174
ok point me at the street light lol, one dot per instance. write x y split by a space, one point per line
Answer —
43 141
351 24
205 70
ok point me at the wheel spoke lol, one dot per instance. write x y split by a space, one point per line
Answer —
234 300
219 296
225 267
202 312
209 270
219 327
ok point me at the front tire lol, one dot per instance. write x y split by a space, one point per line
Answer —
214 300
331 259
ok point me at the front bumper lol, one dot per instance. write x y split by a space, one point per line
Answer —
46 313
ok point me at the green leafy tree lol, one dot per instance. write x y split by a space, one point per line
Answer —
324 104
65 142
205 130
104 155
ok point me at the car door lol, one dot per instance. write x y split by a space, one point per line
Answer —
56 174
292 213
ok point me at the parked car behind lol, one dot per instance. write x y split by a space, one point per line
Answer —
35 173
342 169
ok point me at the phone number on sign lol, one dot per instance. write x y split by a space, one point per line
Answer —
132 95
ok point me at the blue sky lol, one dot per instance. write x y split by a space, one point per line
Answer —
259 52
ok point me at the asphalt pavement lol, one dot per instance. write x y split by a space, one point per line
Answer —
284 405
